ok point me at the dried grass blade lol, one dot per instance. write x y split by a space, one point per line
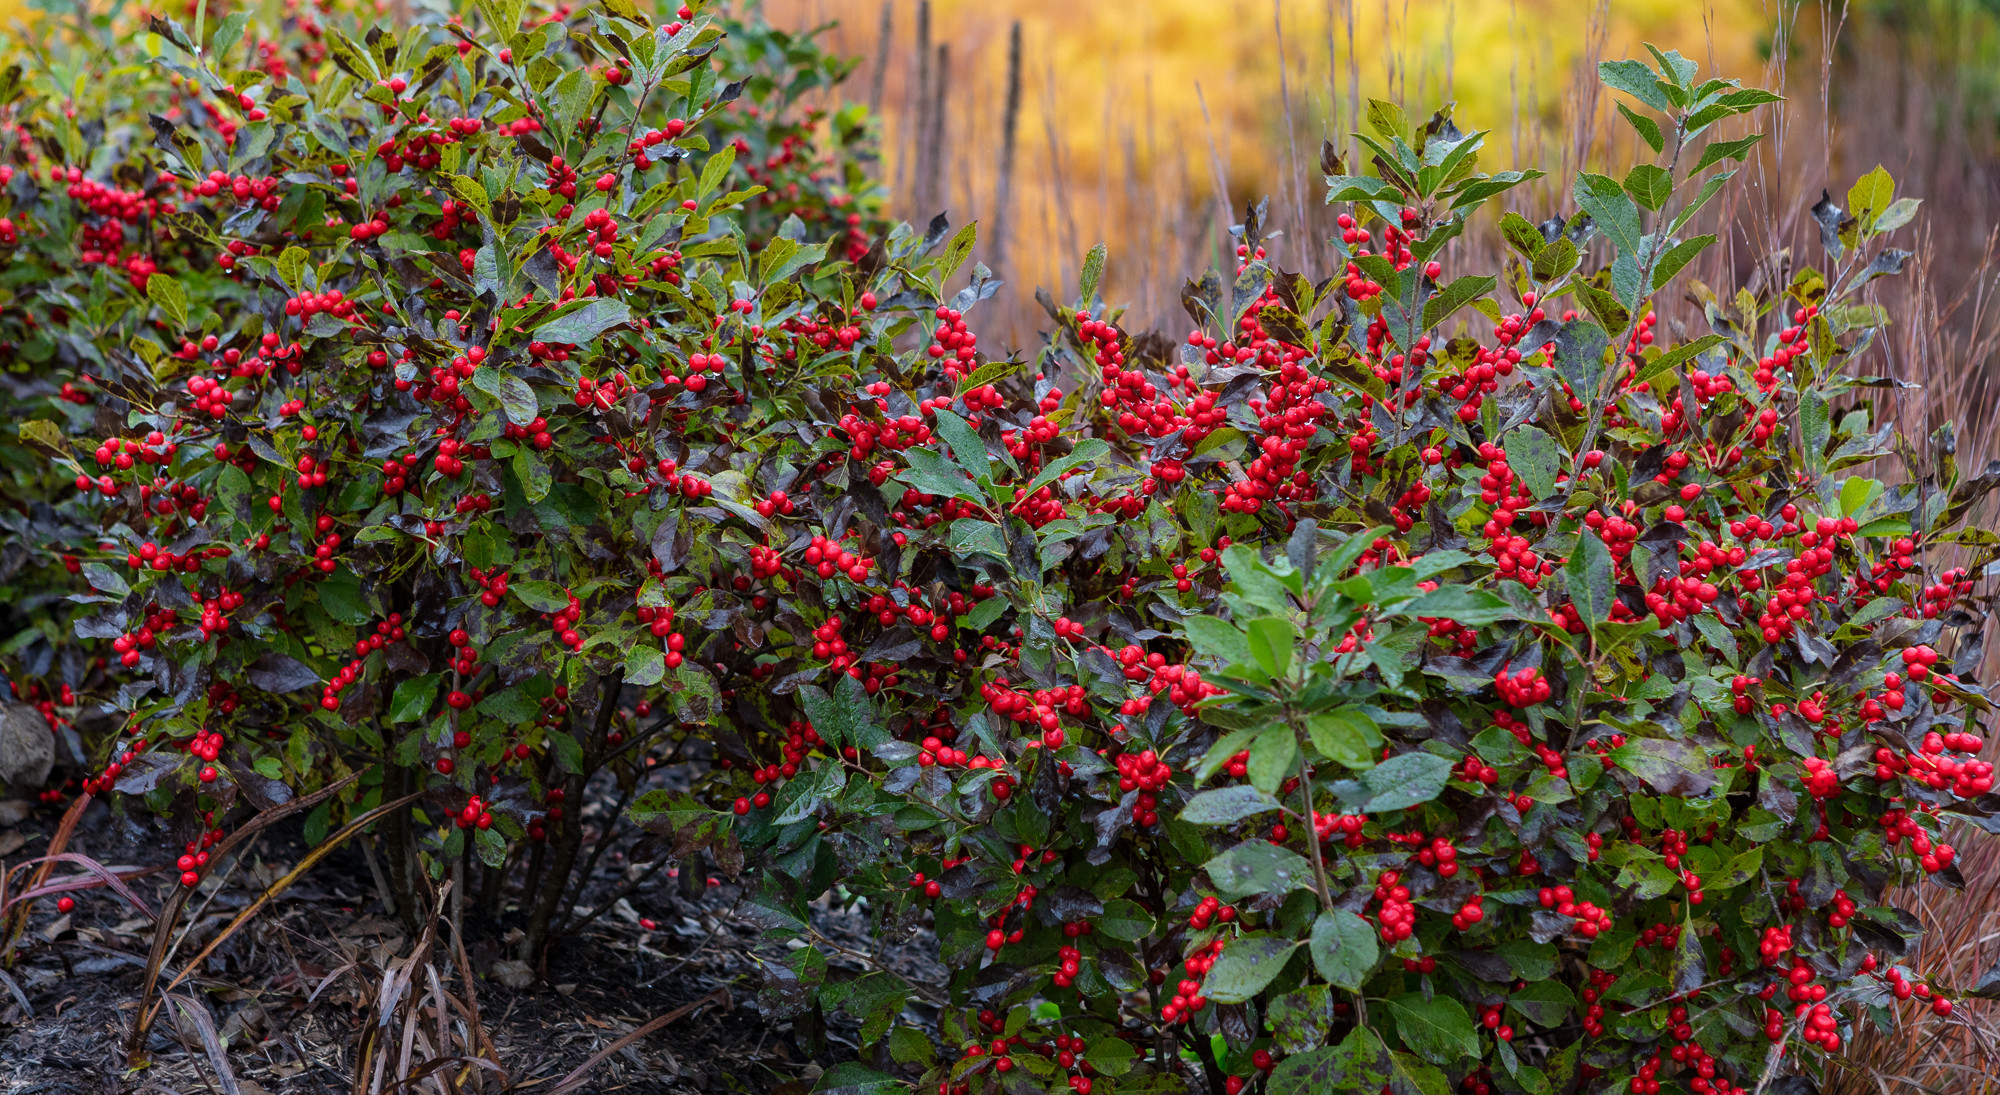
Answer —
575 1079
324 849
330 979
204 1025
163 927
481 1042
424 1071
14 989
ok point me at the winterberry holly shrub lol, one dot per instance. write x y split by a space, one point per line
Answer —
1350 707
1381 687
372 380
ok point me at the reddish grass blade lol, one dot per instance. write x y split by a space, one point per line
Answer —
106 876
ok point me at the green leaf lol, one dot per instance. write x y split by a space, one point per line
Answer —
1522 236
783 257
490 846
1217 439
533 473
1458 294
1645 879
1405 780
1671 767
340 595
1087 451
269 767
471 190
1580 346
1258 866
1635 79
1273 757
413 698
1530 961
292 265
1387 120
970 537
1898 214
644 664
1246 965
1344 950
1112 1056
1093 270
1675 357
1227 805
582 325
717 168
105 580
1606 202
1359 1064
1610 308
967 448
1218 638
1814 426
1678 256
1467 606
1741 868
983 614
956 252
1647 128
1348 738
1409 1076
1535 457
811 792
846 717
540 596
1650 185
1870 195
1545 1003
226 36
41 431
1718 635
1226 746
1555 260
1744 99
1300 1019
934 473
1856 494
1718 151
1124 920
1271 639
1354 188
1673 66
1708 190
1592 587
855 1078
517 399
170 296
910 1046
1437 1029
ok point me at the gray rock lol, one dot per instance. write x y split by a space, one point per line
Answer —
27 749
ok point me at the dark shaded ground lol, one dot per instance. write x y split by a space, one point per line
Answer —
291 993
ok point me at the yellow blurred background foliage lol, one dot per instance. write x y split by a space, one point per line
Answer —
1132 110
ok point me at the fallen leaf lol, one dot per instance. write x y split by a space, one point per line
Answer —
513 973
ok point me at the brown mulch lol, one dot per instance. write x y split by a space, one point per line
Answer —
291 993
